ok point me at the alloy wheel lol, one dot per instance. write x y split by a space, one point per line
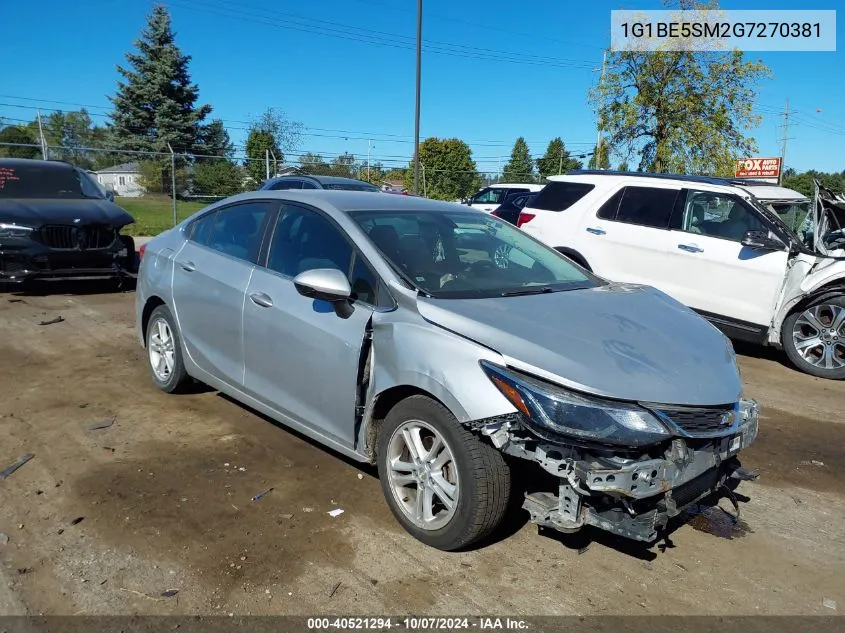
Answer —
422 475
819 336
161 350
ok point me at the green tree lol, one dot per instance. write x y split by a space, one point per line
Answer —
344 165
374 173
803 181
682 111
520 168
600 158
156 178
556 160
274 132
214 140
156 102
447 167
396 174
217 177
15 134
314 164
623 166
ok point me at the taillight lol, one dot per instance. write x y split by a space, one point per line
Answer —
141 251
524 218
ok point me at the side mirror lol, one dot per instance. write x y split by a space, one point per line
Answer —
762 241
328 284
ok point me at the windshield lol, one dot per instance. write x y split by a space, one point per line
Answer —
771 215
793 213
351 187
45 181
467 254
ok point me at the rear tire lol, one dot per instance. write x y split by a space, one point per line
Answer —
813 338
164 352
473 472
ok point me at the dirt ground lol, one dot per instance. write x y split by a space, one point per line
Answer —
105 521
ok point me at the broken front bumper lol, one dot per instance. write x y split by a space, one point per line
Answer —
628 496
27 259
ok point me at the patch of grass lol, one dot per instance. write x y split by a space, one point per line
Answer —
154 214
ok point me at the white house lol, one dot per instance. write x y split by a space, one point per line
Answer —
123 179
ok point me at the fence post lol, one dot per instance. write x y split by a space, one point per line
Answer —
267 163
425 190
173 182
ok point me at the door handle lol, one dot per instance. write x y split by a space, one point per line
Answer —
261 299
188 266
596 231
690 248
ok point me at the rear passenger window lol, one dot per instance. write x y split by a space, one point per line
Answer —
647 206
608 209
558 196
201 228
238 229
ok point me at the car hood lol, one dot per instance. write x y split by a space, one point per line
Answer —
38 211
620 341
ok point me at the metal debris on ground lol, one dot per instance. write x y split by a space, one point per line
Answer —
16 301
307 509
12 468
286 516
77 520
335 513
169 593
100 424
4 539
334 589
829 604
360 476
58 319
261 494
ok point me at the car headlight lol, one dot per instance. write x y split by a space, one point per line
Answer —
749 416
10 229
553 408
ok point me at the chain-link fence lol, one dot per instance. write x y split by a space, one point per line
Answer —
161 189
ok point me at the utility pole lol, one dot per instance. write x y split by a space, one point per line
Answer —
369 145
173 183
560 163
41 134
601 85
267 164
783 142
417 114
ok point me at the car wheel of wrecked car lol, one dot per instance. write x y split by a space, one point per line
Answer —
164 350
814 338
445 486
131 263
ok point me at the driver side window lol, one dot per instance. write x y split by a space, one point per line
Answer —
491 196
719 215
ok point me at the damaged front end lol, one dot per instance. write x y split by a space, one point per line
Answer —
626 468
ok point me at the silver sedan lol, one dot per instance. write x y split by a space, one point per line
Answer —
434 340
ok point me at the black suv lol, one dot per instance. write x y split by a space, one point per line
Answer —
317 182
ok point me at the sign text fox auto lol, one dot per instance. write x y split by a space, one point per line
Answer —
757 168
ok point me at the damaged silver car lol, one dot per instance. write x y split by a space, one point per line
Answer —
441 343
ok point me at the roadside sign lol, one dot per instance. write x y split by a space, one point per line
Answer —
757 168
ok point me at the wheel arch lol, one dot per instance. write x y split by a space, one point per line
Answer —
575 256
152 303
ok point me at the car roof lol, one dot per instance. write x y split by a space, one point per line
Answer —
346 201
323 180
768 191
32 162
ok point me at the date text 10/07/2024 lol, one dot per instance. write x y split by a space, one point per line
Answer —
416 623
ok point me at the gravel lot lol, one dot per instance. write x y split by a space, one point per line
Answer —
164 498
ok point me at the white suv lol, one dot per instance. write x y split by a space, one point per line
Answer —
712 245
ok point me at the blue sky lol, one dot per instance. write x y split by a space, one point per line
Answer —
494 70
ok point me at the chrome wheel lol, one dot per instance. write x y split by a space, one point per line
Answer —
161 350
422 475
819 336
501 256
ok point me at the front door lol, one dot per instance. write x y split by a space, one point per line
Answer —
709 269
211 274
302 359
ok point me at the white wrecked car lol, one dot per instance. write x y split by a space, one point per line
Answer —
740 253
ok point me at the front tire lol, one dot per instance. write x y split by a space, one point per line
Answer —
813 338
164 352
444 485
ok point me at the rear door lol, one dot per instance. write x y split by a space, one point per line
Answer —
626 238
488 199
302 359
211 274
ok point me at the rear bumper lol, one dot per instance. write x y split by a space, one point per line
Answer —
31 260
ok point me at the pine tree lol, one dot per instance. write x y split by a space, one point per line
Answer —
155 102
520 168
601 156
556 160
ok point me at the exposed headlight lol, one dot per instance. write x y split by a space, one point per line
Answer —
749 416
587 418
14 230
